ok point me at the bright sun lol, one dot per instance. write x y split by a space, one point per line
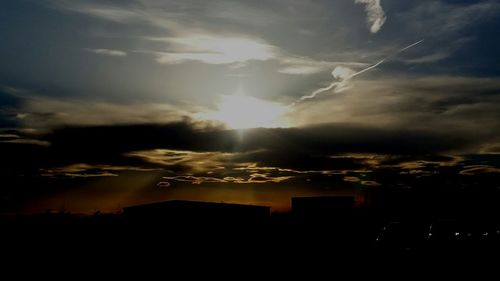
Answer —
243 112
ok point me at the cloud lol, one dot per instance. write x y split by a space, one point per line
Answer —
187 39
21 136
213 34
88 171
163 184
252 179
375 14
107 52
307 66
195 179
304 69
357 180
491 148
352 179
265 178
254 168
214 50
457 105
256 156
431 58
115 14
190 37
27 141
190 150
9 136
47 113
370 183
344 154
424 165
185 161
194 167
479 169
440 114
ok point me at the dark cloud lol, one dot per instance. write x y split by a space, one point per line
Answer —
185 154
256 154
112 142
337 157
492 148
8 103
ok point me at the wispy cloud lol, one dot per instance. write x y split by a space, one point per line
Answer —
189 38
479 169
9 136
111 14
354 179
27 141
192 37
431 58
107 52
214 50
251 179
211 167
83 170
375 14
195 179
190 161
45 113
306 66
490 148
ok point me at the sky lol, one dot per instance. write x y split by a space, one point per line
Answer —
110 103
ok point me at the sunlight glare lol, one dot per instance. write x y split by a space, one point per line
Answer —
244 112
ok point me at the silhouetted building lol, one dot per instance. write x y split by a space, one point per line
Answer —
198 212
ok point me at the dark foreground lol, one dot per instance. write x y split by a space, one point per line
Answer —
305 239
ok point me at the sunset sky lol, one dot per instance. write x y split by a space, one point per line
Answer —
109 103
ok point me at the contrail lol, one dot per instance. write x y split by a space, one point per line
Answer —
411 46
346 78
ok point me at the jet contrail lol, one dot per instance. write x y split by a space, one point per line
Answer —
411 46
346 78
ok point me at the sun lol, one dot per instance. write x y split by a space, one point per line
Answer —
244 112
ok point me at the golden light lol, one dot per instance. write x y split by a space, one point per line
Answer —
243 112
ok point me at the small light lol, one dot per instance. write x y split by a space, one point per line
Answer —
457 233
